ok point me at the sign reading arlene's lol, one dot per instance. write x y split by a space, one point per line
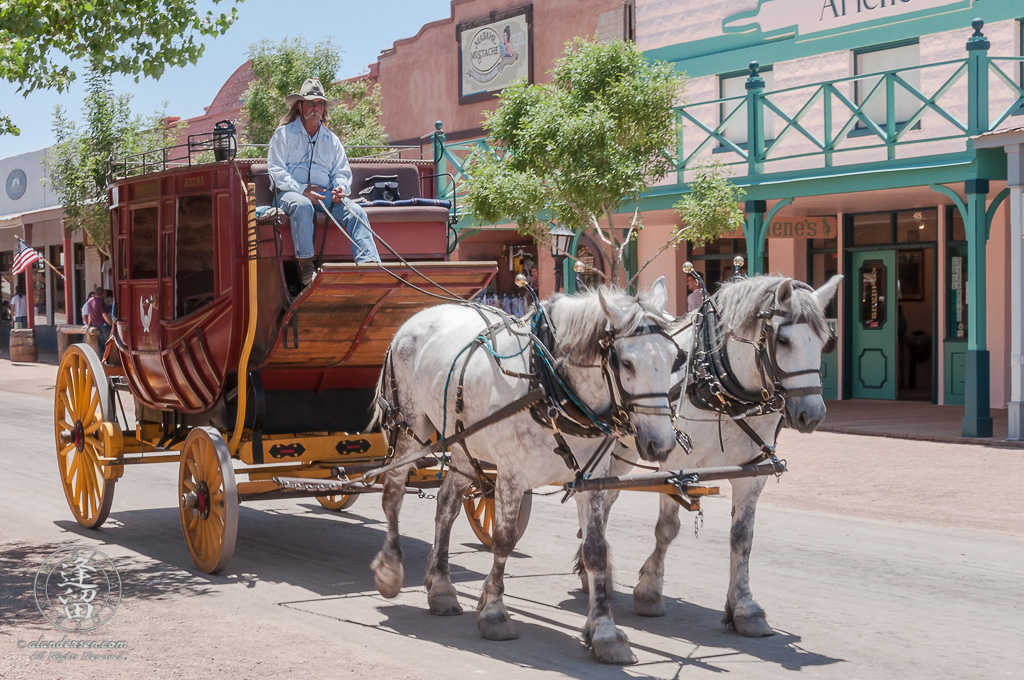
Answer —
494 53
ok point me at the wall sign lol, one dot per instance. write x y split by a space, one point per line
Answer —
806 17
17 182
803 227
494 52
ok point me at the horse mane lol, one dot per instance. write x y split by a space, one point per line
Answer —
740 301
579 321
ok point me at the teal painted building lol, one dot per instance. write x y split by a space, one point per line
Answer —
851 126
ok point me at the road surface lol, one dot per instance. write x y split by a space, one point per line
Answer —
873 558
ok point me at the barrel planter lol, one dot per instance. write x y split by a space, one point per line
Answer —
23 345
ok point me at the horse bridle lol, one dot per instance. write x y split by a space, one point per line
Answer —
712 385
624 404
563 411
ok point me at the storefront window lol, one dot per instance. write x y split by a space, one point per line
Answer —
957 276
6 287
916 226
714 260
823 264
871 229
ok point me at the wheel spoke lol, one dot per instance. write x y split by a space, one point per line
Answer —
192 520
92 412
189 483
63 453
94 444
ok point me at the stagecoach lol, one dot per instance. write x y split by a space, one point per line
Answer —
234 371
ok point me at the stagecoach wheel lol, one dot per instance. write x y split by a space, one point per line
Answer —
81 405
208 499
339 502
480 513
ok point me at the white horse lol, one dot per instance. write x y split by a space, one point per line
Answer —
770 332
451 368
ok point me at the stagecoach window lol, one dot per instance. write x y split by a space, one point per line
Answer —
194 276
144 243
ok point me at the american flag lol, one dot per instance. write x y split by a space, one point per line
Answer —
25 256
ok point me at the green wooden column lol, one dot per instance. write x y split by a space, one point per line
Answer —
754 231
977 421
755 121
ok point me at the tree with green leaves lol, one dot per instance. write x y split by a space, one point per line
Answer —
578 150
76 168
280 69
40 39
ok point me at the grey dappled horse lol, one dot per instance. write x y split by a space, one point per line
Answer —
791 317
603 342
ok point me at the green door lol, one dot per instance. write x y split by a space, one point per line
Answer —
874 321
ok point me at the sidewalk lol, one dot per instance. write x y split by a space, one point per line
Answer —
895 419
910 420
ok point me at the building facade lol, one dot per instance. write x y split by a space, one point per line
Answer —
852 126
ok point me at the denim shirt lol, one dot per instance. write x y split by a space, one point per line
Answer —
297 160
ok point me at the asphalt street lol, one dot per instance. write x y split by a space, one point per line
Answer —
854 587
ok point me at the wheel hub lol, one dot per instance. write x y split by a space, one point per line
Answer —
203 500
78 435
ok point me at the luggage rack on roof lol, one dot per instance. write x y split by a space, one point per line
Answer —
200 148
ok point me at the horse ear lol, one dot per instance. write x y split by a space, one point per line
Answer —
659 294
825 294
613 314
783 294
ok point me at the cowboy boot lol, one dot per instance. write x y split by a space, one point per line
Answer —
307 272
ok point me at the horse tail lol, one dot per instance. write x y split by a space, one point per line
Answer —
381 406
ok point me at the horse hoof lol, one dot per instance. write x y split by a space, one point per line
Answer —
443 602
610 645
495 624
648 604
387 577
751 622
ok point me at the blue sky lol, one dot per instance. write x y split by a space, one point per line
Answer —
360 28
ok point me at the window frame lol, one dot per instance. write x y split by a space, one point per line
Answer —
745 73
859 129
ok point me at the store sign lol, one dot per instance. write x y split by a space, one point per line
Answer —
807 17
803 227
494 53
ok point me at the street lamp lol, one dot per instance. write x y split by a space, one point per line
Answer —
560 237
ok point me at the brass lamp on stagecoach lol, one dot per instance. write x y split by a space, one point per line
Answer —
225 143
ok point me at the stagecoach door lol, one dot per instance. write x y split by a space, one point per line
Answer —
874 321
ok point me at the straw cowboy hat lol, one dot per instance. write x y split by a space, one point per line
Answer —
311 90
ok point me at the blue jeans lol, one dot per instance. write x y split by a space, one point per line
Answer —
300 211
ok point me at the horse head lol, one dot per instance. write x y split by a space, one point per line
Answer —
783 320
613 349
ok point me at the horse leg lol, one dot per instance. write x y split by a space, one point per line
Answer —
610 497
388 572
493 621
647 595
741 611
606 641
441 595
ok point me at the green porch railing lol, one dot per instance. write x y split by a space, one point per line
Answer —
855 119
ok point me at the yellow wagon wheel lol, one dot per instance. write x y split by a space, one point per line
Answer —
480 512
208 499
81 405
339 502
